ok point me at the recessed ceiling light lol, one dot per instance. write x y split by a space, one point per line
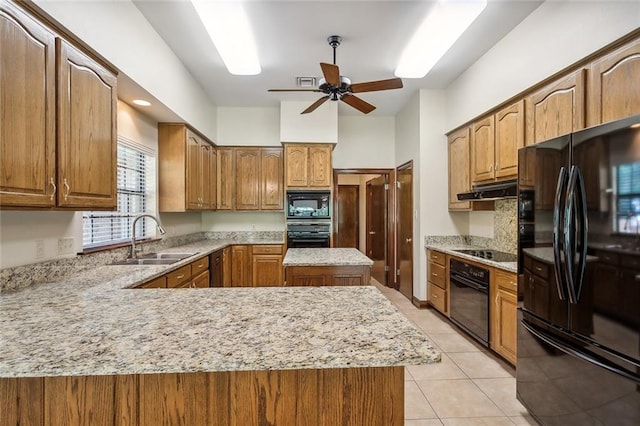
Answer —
229 29
141 102
443 25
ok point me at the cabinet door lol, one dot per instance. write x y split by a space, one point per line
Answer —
205 175
87 163
226 267
201 280
614 86
557 109
217 269
527 168
509 139
225 179
482 145
247 179
271 179
193 165
27 111
504 340
267 270
212 184
297 165
459 168
241 266
320 166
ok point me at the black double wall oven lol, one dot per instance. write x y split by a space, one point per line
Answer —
308 218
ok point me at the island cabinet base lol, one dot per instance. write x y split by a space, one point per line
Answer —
327 275
347 396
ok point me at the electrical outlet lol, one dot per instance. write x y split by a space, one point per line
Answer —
65 245
39 249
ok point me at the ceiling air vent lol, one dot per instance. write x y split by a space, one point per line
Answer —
306 81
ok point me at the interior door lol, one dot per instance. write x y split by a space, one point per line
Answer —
376 227
348 216
404 244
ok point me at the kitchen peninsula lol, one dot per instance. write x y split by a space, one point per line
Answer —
90 345
326 266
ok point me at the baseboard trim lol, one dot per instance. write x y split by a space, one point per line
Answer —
420 304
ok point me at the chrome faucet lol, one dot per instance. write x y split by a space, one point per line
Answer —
134 253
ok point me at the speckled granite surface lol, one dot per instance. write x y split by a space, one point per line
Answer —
450 248
325 256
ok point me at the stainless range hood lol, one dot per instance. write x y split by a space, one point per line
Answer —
491 191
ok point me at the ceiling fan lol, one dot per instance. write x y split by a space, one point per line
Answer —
339 88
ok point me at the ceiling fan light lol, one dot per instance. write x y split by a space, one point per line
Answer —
229 29
443 25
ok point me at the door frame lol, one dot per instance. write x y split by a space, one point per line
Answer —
391 215
403 166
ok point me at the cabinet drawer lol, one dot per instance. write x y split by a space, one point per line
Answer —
438 298
540 269
437 257
608 257
200 265
437 274
160 282
179 276
630 261
506 281
267 249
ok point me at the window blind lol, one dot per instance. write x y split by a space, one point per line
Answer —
628 197
136 194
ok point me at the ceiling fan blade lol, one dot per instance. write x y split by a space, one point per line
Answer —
373 86
331 73
294 90
315 105
358 103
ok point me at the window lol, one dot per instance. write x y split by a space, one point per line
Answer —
136 194
628 198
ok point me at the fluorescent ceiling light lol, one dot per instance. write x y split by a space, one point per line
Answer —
141 102
443 25
229 29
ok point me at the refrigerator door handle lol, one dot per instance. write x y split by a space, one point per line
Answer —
558 220
582 354
582 227
570 224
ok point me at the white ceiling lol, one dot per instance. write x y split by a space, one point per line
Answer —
291 40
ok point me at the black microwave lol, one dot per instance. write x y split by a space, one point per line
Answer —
308 204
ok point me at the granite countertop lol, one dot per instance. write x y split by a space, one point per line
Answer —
325 257
545 254
94 324
450 249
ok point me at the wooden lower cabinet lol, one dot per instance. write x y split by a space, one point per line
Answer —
217 268
327 275
195 274
241 266
438 282
352 396
160 282
266 266
503 314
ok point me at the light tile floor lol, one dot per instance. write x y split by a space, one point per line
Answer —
469 387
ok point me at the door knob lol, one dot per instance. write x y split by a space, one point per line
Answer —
408 240
372 232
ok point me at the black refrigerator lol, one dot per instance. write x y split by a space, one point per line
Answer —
578 353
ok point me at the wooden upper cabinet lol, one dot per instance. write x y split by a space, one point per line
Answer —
459 152
272 179
614 85
58 119
226 179
213 176
482 150
509 138
186 175
308 165
247 178
557 109
297 165
27 108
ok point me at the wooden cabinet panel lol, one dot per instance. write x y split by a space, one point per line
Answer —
87 98
437 281
226 267
437 274
438 298
509 138
179 276
241 266
27 108
557 109
160 282
527 168
217 269
320 170
271 179
247 179
267 249
482 150
614 86
267 270
297 165
504 315
459 167
200 266
205 177
192 170
327 275
437 257
21 401
174 398
213 177
201 280
226 179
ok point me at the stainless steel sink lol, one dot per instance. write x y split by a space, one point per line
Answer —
155 259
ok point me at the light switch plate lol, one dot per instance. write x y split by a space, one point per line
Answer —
65 245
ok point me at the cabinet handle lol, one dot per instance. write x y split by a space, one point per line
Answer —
496 300
539 269
55 188
435 296
434 274
179 277
490 167
67 189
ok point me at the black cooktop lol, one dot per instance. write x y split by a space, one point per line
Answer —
494 255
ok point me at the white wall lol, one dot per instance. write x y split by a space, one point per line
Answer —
119 32
319 126
248 126
365 142
554 36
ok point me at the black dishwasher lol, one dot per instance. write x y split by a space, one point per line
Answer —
469 299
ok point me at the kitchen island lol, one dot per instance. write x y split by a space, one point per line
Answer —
326 267
91 350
